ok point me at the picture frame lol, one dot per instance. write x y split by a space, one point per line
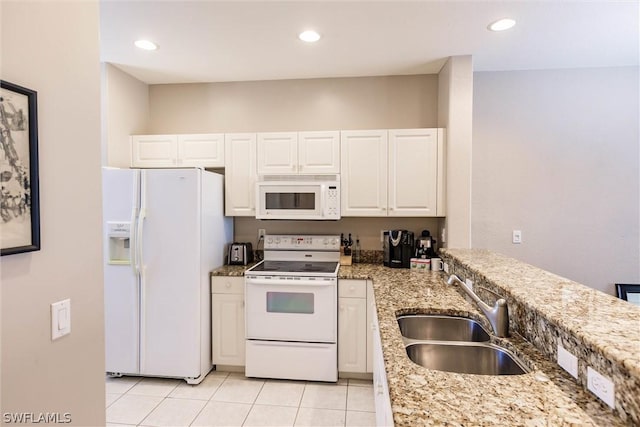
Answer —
628 292
20 197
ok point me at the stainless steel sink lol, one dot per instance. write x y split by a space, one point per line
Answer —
441 328
465 358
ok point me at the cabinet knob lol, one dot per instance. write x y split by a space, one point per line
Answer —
227 285
352 288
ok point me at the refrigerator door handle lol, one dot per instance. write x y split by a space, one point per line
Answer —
139 255
133 243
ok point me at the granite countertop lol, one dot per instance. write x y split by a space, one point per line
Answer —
546 396
231 270
421 396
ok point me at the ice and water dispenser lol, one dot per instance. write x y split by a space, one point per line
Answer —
119 234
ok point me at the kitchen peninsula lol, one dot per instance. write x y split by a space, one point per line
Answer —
545 310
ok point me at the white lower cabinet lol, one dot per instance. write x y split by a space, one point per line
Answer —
227 321
354 327
382 402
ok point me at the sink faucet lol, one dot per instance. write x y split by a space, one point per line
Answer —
498 315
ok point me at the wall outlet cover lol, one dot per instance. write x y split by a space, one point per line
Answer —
469 284
601 386
567 361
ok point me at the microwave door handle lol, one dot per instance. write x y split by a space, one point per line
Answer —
323 200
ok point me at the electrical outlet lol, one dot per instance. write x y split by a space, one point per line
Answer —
443 237
601 386
445 267
382 235
469 284
567 361
261 233
516 237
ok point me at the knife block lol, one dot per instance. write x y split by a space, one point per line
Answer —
345 259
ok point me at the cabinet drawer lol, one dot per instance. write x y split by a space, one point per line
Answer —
348 288
227 285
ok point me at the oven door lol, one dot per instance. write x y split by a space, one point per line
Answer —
291 309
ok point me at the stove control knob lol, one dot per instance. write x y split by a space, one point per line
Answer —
277 240
269 240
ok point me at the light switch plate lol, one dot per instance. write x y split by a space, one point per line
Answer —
601 386
60 319
567 361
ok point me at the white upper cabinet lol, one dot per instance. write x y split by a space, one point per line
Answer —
240 174
392 172
201 150
171 151
282 153
277 153
413 172
363 173
319 152
154 151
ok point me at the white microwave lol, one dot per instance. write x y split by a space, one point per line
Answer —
306 197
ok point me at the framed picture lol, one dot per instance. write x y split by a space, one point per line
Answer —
629 292
19 204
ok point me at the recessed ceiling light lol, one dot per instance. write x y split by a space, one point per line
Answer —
146 44
502 24
309 36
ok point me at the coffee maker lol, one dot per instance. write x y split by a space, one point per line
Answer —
398 248
425 246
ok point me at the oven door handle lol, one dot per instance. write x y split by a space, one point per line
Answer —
267 282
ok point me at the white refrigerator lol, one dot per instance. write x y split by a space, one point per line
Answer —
164 231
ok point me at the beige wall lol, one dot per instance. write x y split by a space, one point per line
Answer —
53 48
126 104
289 105
366 229
455 104
556 155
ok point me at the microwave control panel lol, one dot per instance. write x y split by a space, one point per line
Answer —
333 202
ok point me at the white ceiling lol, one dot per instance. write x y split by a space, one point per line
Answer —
216 41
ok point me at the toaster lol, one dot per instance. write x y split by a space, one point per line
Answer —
240 253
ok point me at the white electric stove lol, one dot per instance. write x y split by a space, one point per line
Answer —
291 303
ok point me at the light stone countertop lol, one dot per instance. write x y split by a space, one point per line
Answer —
421 396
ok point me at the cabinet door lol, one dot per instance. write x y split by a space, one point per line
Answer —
227 329
240 174
363 160
201 150
413 172
384 414
370 314
277 153
319 152
154 151
352 335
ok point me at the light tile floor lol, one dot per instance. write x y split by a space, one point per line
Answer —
231 399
